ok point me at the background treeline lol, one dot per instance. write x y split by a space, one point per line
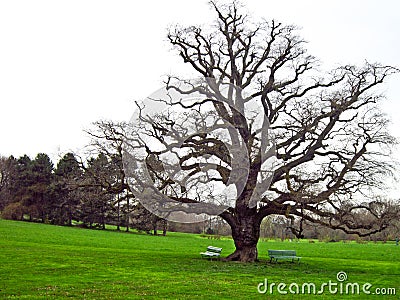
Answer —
93 192
90 194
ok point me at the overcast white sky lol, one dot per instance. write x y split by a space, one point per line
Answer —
65 64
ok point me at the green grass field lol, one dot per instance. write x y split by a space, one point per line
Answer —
49 262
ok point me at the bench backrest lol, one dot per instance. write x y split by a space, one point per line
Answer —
281 252
214 249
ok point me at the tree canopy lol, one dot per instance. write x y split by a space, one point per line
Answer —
257 90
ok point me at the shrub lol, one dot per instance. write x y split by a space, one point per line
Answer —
13 211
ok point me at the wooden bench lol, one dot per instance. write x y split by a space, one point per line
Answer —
212 252
283 254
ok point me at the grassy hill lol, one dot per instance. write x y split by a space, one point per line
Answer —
40 261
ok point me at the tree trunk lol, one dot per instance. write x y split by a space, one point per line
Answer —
127 215
245 233
69 221
118 213
165 225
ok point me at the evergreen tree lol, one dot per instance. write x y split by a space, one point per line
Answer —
68 175
20 188
40 187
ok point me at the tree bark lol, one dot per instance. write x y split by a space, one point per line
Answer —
245 233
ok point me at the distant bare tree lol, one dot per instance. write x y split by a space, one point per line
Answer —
108 138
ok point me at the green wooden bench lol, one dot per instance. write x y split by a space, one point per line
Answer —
283 254
212 252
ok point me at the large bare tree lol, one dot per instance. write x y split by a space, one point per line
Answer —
330 140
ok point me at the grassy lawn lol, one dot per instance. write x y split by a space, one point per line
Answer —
49 262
